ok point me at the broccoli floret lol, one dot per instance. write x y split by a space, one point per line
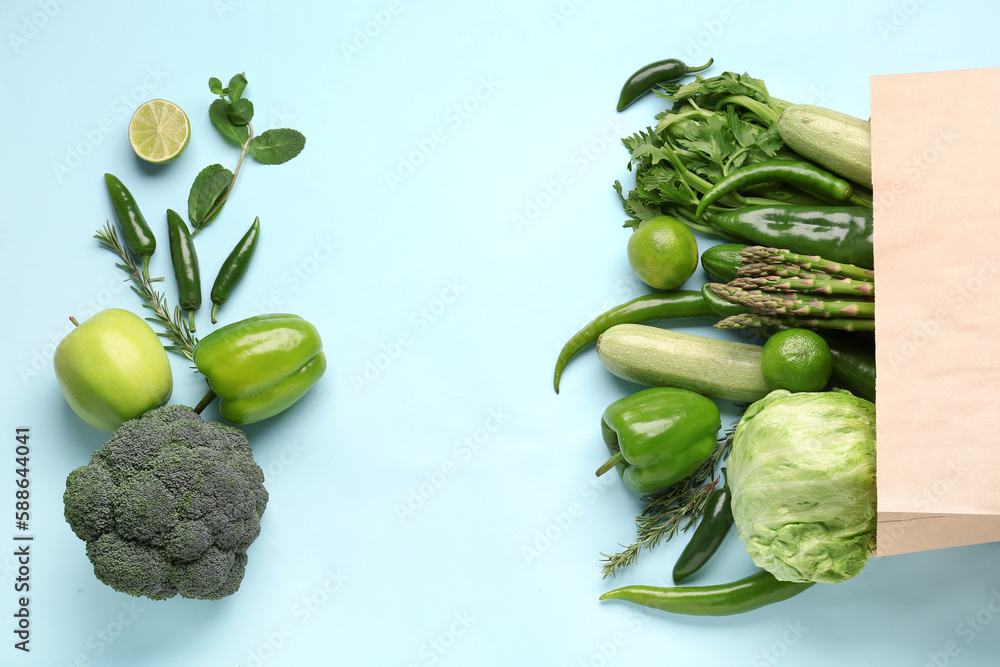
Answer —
169 505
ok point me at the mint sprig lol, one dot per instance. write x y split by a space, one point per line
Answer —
231 115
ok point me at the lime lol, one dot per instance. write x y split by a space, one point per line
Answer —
663 252
796 360
159 131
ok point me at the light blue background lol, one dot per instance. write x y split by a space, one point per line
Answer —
443 510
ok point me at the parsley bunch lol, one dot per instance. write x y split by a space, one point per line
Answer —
715 125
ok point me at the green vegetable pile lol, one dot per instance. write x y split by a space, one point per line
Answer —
787 189
171 503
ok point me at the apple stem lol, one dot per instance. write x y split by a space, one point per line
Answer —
73 320
205 402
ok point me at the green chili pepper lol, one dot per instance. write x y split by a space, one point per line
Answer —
234 268
807 177
836 233
262 365
659 436
662 71
185 261
670 305
138 236
721 307
716 521
747 594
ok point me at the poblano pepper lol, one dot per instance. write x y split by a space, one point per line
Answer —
659 436
261 365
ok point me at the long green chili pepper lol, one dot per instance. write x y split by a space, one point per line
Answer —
753 592
716 521
803 175
185 261
138 237
674 304
234 267
662 71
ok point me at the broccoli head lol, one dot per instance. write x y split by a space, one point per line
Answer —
169 505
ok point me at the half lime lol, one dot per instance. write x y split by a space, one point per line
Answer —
159 131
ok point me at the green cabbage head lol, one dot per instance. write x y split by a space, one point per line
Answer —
802 473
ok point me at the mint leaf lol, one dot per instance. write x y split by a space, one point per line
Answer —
241 111
208 193
215 86
236 86
276 146
218 113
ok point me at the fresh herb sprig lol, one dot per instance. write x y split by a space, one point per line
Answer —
231 114
672 509
175 330
713 127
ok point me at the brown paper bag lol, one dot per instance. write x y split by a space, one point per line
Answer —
936 178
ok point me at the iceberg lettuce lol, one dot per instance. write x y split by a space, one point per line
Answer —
802 473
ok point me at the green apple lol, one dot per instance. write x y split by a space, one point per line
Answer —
112 368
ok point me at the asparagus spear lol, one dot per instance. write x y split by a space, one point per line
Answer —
767 255
759 320
778 304
845 286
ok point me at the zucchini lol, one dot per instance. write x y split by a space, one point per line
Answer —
658 357
836 141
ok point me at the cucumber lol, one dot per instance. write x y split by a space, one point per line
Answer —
721 262
658 357
836 141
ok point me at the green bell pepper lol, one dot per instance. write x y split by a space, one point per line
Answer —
659 436
261 365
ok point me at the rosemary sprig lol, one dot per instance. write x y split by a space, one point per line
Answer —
175 331
672 509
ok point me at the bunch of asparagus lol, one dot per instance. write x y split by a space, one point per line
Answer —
779 287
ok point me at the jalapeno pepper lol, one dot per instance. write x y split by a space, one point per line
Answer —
138 237
185 261
659 436
837 233
716 522
803 175
661 71
646 308
262 365
235 267
753 592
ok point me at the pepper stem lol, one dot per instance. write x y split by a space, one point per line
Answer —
690 70
610 463
191 321
215 309
205 402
